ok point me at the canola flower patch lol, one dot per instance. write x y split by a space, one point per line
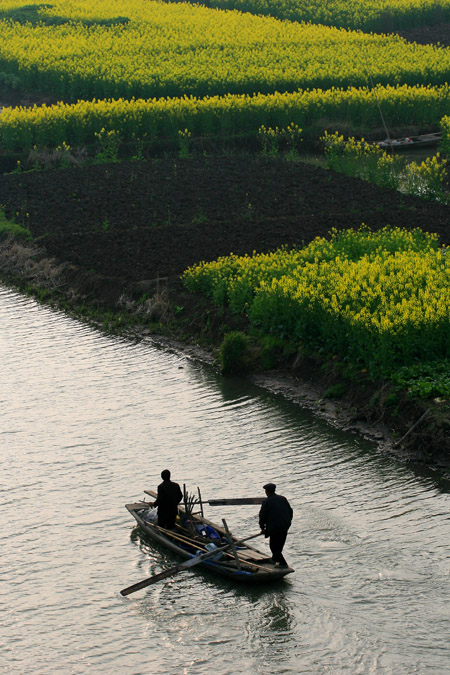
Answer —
381 300
445 128
370 162
372 15
218 116
77 49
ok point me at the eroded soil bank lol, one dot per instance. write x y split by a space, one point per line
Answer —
124 232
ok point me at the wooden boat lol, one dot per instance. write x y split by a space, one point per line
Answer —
194 535
409 142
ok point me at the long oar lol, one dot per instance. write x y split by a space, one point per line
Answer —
179 568
234 501
226 501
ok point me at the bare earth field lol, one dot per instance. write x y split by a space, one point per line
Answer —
134 221
429 35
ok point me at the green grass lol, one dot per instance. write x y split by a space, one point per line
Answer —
8 227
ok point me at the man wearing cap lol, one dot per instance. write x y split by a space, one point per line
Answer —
275 519
169 496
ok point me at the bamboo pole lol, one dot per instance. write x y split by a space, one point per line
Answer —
412 428
200 502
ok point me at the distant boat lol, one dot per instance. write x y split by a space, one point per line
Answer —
423 141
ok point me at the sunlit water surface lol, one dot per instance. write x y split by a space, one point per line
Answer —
88 421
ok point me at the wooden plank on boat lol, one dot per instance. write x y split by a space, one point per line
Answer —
187 564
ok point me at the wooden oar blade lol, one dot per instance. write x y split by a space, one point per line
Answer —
153 579
172 571
234 501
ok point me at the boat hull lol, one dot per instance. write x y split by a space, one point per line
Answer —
411 142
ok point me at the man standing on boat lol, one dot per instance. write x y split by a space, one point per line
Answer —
275 519
169 496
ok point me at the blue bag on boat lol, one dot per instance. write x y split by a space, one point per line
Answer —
212 533
207 531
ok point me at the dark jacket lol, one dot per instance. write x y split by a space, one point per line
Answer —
275 514
169 496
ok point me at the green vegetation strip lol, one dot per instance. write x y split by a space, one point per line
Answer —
377 301
368 161
7 227
445 142
156 119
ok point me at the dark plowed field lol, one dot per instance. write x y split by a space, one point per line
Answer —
139 220
424 35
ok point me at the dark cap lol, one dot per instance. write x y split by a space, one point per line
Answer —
270 486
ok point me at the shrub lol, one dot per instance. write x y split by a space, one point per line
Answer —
234 353
9 228
335 391
425 380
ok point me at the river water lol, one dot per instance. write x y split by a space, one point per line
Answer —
88 421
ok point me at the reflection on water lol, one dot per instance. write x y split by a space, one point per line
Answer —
88 421
277 619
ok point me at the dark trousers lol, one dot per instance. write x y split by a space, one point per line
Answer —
276 543
166 519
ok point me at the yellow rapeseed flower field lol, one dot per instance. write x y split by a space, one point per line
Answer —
77 124
373 15
79 49
148 69
379 299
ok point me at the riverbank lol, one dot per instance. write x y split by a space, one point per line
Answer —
113 240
